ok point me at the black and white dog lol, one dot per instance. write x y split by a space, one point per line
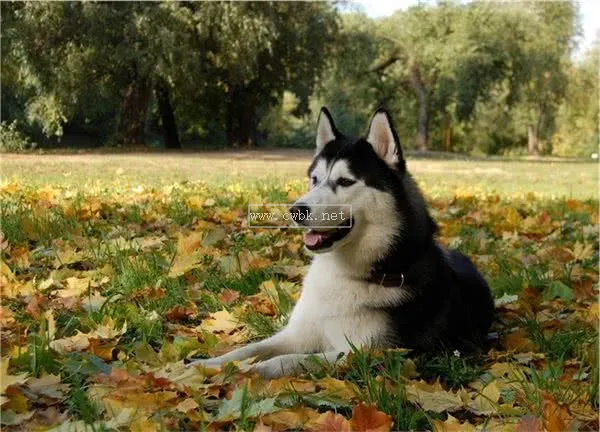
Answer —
378 279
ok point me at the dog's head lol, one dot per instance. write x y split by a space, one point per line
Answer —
355 186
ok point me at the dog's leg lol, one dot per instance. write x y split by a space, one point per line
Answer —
263 350
292 364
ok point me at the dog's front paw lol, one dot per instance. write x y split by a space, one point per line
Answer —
270 369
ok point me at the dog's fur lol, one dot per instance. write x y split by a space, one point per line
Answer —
384 282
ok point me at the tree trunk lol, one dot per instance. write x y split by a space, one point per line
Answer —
532 140
448 138
135 103
242 124
161 90
422 138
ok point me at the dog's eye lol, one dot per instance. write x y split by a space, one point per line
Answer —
313 180
345 182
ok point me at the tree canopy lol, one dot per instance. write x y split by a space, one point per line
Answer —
476 77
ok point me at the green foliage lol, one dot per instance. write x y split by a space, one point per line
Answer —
480 77
577 117
12 140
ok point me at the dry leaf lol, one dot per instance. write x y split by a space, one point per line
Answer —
220 322
366 418
329 422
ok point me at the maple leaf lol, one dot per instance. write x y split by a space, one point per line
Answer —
228 296
432 397
7 380
366 418
75 287
486 402
48 386
7 317
35 304
186 405
287 383
261 427
452 424
555 416
180 313
78 342
292 418
335 387
330 422
220 322
530 423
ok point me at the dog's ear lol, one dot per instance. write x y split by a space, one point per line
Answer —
326 130
384 139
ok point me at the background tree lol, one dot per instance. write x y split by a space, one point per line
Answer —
480 77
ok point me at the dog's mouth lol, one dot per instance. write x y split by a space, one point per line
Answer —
316 240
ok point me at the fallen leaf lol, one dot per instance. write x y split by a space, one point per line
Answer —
530 423
329 422
452 424
187 405
555 416
228 296
432 397
486 403
292 418
7 380
220 322
366 418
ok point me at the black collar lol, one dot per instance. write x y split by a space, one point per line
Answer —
387 280
400 268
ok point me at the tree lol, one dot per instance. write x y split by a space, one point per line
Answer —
258 50
450 56
236 58
541 59
578 114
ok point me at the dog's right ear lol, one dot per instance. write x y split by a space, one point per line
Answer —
384 139
326 131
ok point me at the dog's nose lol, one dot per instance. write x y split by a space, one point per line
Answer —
300 213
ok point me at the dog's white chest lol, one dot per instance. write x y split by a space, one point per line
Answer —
335 310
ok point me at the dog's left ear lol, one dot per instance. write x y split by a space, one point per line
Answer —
384 139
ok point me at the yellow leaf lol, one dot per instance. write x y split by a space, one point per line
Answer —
452 424
187 243
78 342
293 418
329 422
7 380
75 287
486 402
335 387
220 322
107 329
187 405
432 397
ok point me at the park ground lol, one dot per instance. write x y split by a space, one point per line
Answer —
117 267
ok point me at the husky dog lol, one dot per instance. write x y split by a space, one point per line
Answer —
377 278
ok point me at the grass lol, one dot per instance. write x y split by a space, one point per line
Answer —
552 178
138 252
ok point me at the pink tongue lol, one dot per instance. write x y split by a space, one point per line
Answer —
311 238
